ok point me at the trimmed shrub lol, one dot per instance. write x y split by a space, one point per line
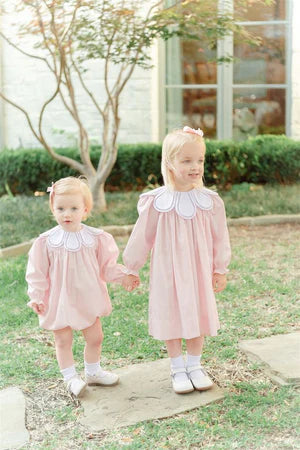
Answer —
263 159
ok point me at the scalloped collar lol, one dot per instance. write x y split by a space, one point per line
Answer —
184 203
72 241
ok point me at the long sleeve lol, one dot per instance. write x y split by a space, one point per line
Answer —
110 270
221 243
37 273
142 237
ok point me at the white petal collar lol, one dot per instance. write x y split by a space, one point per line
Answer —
72 241
184 203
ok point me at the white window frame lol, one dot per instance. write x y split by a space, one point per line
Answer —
225 85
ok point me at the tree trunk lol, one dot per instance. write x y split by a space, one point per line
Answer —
99 197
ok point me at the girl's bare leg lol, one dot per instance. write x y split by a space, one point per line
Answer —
194 346
94 374
93 337
63 346
174 347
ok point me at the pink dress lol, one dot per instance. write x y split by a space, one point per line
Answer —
68 271
188 236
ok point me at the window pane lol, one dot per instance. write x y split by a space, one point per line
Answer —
258 111
193 107
189 63
260 11
264 63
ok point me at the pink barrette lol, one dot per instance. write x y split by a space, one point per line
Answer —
199 132
50 188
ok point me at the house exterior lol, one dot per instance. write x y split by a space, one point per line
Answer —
259 93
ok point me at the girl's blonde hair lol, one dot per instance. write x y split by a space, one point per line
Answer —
172 144
72 185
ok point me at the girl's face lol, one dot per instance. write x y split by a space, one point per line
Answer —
69 210
188 166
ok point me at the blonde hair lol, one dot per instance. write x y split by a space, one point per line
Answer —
172 144
72 185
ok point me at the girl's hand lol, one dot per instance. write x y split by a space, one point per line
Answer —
38 308
130 282
219 282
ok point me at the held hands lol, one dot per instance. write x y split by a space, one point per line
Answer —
219 282
130 282
38 308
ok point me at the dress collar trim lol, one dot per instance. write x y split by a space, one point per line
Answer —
72 241
184 203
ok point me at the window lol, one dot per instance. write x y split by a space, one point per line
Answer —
246 97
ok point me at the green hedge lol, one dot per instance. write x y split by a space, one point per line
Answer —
262 159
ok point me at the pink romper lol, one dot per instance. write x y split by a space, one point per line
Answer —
68 271
188 238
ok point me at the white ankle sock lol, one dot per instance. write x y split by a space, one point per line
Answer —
193 360
68 372
178 363
92 368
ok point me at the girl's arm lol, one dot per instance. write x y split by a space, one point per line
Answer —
37 276
221 243
110 270
142 237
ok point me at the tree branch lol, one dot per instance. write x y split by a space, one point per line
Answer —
63 159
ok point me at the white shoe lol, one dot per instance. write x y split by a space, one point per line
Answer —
102 378
199 378
76 386
181 386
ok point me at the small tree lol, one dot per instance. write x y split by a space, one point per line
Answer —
68 33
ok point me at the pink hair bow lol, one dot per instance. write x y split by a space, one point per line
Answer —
199 132
50 188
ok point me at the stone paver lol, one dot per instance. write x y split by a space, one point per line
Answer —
144 393
13 433
280 353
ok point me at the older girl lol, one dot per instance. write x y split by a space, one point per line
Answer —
184 224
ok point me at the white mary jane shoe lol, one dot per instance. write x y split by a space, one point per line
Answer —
200 380
102 378
181 386
76 386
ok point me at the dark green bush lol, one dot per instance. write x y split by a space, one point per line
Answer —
262 159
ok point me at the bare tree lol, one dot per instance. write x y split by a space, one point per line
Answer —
68 33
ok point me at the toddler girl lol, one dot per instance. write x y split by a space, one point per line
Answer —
67 271
184 225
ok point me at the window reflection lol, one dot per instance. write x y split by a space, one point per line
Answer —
198 67
261 11
258 111
265 63
193 107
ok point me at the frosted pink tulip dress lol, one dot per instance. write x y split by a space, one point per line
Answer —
68 271
187 235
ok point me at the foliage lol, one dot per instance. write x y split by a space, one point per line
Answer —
34 215
264 159
68 34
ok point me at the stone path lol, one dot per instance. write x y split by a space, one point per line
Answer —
13 433
280 354
144 393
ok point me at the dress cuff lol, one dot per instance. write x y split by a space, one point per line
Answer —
130 272
221 271
38 302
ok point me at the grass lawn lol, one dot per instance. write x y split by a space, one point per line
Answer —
256 414
242 200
